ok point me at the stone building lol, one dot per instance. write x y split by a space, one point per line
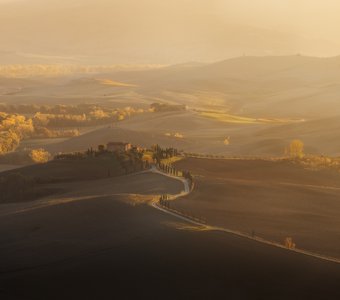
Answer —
118 146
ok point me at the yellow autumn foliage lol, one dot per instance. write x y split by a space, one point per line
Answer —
296 149
40 156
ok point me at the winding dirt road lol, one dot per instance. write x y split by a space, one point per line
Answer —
187 191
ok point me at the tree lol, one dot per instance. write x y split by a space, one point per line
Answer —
40 156
296 149
99 114
289 244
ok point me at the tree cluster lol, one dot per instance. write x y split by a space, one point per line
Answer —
24 157
52 121
169 169
40 156
70 115
82 118
160 153
130 161
13 129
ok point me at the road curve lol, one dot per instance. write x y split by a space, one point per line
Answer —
187 191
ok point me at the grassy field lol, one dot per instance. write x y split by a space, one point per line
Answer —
99 239
114 83
39 180
273 199
228 118
4 168
209 136
39 143
73 170
42 143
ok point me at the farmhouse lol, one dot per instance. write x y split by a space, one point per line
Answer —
118 146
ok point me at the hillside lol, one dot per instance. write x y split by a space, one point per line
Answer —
284 86
169 149
101 238
192 131
287 87
259 103
274 199
72 170
38 180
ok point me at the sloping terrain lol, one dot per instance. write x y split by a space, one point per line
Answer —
282 87
99 240
73 88
192 132
111 134
251 106
261 87
274 199
6 167
72 170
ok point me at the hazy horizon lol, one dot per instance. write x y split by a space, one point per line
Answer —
166 32
168 149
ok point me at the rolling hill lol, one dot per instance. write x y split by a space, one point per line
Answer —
261 87
192 132
260 103
275 199
102 238
288 86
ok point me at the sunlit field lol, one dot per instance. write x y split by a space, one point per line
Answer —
227 118
169 149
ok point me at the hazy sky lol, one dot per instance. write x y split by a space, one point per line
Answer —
314 18
169 31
